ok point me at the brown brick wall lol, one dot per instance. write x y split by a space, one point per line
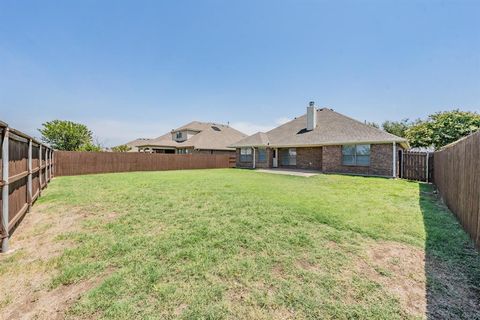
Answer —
380 161
309 158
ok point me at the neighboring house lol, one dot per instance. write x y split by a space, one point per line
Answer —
323 140
135 143
195 137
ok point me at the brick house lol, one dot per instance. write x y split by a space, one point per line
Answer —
323 140
194 137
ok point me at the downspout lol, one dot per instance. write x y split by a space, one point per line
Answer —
394 173
253 157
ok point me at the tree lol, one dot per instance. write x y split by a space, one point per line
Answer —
397 128
66 135
121 148
372 124
442 128
91 147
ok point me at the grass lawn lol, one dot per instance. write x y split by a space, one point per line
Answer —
238 244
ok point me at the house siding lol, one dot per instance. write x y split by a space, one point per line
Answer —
381 161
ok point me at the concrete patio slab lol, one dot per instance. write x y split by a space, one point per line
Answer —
291 172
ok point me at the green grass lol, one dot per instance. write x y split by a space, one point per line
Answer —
214 244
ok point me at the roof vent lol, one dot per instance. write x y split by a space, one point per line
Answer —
311 116
216 128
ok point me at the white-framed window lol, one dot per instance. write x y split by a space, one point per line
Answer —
262 154
245 154
356 155
179 135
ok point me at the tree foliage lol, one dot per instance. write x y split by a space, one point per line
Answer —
121 148
372 124
91 147
66 135
397 128
443 128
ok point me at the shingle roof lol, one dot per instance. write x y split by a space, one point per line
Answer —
332 128
211 136
136 142
255 140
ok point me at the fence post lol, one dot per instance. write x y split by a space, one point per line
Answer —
40 169
426 167
29 181
53 163
50 165
46 167
5 190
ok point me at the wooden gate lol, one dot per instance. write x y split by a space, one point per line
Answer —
416 166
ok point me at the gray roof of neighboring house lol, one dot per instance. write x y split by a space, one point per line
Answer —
136 142
255 140
332 128
207 137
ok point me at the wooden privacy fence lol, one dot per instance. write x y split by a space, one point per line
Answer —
457 177
27 167
69 163
416 165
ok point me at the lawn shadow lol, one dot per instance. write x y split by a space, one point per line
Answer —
452 264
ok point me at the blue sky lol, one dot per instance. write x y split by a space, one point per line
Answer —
133 69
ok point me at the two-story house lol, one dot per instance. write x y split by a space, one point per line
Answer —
195 137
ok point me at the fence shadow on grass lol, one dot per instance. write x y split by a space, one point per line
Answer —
452 264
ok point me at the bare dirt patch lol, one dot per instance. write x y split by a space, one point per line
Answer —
27 271
400 269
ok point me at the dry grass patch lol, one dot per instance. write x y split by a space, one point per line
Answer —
27 271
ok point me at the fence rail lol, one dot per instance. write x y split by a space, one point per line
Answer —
27 167
76 163
457 177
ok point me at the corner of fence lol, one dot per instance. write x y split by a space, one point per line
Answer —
10 219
